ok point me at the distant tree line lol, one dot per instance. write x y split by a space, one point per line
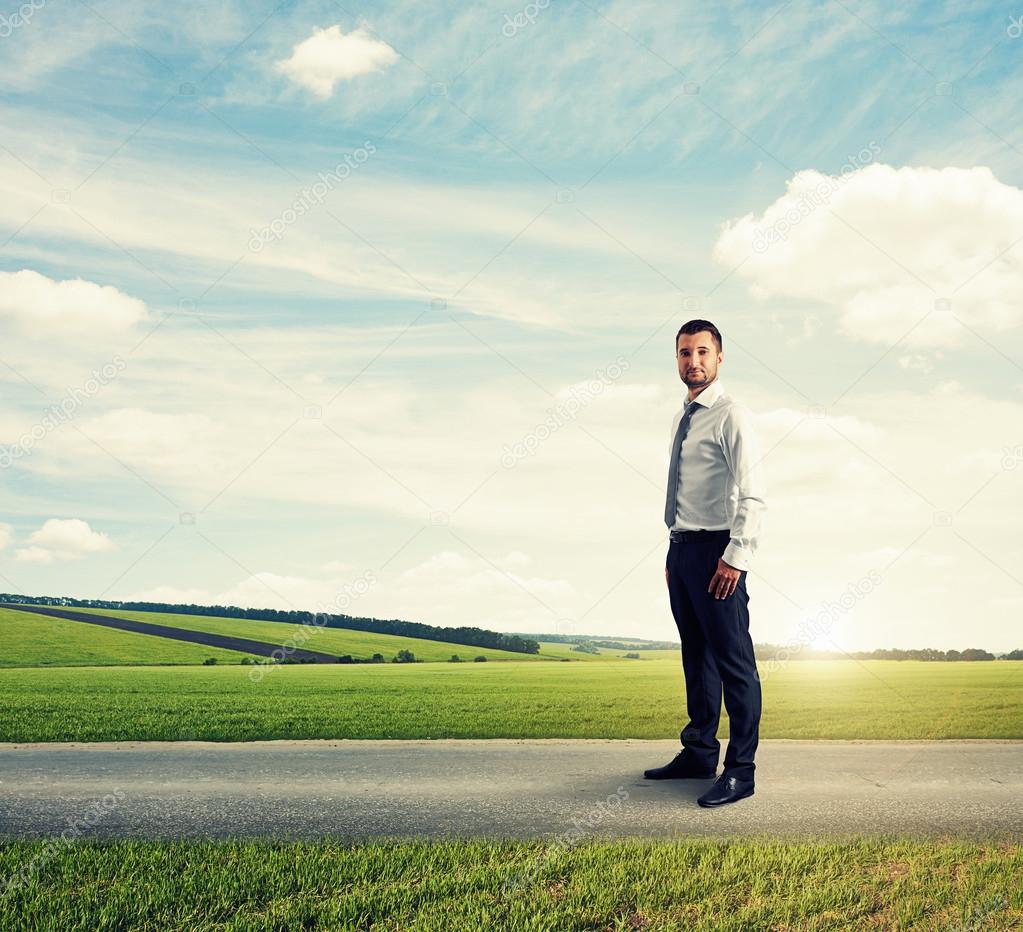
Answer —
774 651
481 637
586 644
609 643
470 636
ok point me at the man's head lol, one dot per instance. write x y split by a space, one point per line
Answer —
698 352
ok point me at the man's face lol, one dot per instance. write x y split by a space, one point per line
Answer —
698 359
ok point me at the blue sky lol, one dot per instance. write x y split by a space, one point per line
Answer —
525 216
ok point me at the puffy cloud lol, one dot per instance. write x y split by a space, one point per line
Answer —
42 307
63 539
329 56
885 246
919 361
6 535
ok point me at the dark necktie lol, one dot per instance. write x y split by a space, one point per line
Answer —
671 502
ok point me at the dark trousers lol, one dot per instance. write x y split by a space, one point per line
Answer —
717 654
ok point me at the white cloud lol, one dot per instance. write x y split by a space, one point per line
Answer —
517 558
63 539
885 246
338 566
918 361
547 541
171 446
579 276
584 504
42 307
6 535
171 595
329 56
447 588
275 590
260 590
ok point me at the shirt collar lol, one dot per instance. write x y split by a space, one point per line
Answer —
709 395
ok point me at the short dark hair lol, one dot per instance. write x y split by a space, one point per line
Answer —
697 326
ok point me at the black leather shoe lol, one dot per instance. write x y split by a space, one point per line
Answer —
726 789
678 768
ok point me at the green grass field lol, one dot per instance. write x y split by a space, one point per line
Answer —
616 699
712 885
31 639
149 688
36 640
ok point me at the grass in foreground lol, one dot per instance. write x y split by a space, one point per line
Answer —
705 884
618 699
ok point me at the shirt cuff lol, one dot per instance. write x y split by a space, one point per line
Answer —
737 556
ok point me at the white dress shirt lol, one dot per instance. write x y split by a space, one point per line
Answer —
721 480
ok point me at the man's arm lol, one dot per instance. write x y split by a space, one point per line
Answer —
671 446
744 456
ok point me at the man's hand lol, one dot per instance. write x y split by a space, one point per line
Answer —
725 580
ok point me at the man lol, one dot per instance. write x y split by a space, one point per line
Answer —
714 508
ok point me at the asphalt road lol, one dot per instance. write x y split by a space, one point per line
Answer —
226 641
501 788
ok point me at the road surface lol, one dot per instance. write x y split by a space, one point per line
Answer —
502 788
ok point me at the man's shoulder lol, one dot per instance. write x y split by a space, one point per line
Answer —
734 406
725 405
737 416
